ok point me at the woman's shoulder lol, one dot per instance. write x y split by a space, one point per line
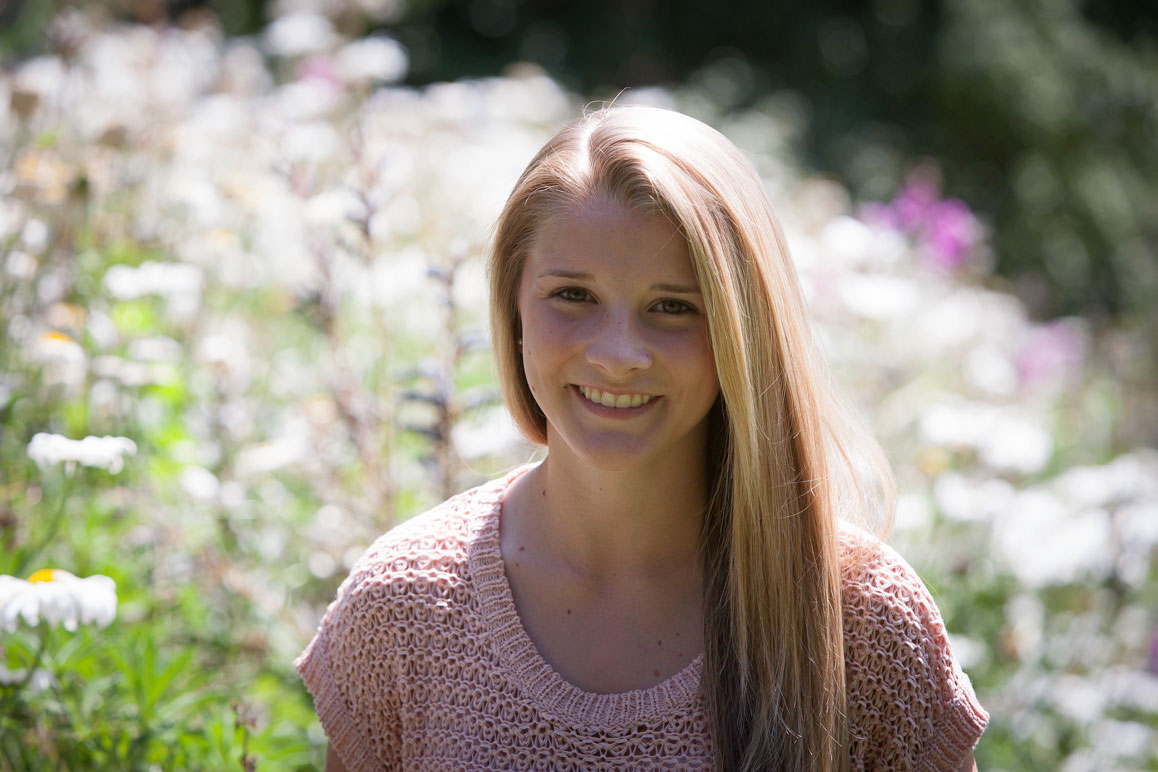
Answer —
433 543
885 603
440 534
909 700
871 569
444 529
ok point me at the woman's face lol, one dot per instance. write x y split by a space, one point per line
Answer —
615 340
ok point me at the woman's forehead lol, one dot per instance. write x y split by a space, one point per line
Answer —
607 238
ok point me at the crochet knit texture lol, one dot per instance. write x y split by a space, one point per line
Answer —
422 663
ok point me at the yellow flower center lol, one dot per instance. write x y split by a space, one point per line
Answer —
43 575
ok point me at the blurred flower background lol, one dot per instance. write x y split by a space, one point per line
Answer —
242 329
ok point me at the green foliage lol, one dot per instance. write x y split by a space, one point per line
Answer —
22 26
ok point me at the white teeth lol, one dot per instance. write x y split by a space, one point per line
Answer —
608 399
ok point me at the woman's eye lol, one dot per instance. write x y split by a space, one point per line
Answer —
670 306
572 294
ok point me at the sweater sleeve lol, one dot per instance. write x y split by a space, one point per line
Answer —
348 670
911 707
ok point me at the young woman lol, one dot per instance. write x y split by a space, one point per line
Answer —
672 587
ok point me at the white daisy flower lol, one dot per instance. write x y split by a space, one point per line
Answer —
63 358
103 452
57 598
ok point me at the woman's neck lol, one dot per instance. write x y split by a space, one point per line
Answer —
604 571
613 525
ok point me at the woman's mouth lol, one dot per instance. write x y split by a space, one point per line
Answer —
607 399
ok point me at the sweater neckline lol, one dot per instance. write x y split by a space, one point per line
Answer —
521 658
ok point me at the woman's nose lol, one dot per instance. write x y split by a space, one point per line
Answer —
617 346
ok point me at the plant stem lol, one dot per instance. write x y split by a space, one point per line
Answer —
45 633
26 556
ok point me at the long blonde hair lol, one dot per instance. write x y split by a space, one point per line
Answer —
784 452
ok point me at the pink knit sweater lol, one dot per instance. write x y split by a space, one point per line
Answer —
422 664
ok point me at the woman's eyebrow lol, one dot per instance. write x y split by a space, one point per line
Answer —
563 274
678 289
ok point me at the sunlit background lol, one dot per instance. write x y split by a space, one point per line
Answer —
243 326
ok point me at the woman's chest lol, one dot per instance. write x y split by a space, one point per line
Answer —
610 641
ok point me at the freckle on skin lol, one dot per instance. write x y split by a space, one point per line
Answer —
659 643
657 674
522 548
568 612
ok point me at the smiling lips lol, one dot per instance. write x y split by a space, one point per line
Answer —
607 399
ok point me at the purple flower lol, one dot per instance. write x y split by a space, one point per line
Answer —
944 231
878 214
913 204
949 232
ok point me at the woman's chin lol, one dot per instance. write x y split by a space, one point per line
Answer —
602 452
